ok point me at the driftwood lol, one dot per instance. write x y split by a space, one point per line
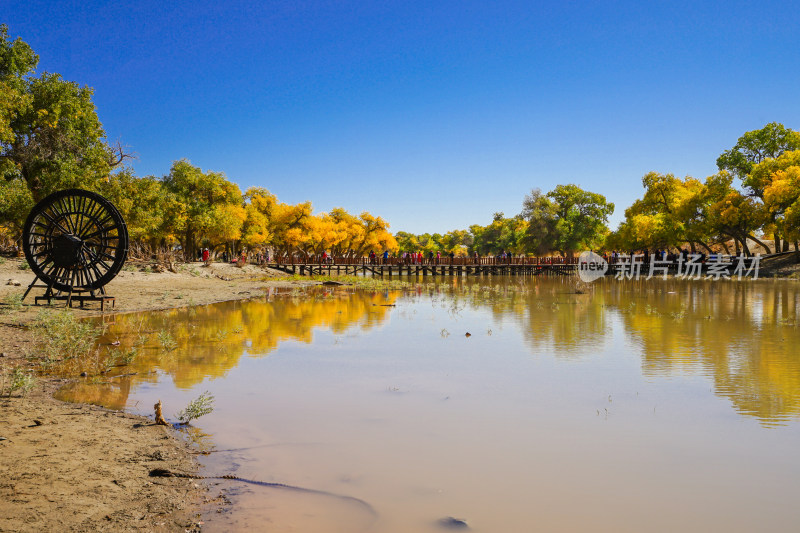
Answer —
159 417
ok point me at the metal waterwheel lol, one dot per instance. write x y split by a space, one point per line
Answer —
75 241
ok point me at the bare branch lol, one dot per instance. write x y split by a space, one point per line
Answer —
119 154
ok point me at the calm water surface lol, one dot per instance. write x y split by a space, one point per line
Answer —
636 406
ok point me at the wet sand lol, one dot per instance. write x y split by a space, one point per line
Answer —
71 467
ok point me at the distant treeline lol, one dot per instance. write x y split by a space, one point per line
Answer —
51 139
711 215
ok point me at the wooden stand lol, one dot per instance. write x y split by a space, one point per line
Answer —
74 295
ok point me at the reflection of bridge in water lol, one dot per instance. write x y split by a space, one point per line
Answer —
458 266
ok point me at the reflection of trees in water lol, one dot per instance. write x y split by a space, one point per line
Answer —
211 339
112 394
564 322
743 335
551 312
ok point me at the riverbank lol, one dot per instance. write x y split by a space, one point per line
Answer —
71 467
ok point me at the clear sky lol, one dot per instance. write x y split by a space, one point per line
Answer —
431 114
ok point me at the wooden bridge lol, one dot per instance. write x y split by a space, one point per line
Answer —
445 267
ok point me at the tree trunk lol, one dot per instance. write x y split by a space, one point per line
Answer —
736 243
188 246
704 245
753 238
777 239
746 248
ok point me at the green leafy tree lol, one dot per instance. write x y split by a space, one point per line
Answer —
502 235
145 204
406 241
50 133
541 234
17 60
456 241
754 147
581 218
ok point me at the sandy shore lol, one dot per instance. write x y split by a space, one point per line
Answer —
69 467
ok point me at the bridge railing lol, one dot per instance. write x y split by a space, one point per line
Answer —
426 261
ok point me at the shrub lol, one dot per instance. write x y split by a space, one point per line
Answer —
198 407
63 338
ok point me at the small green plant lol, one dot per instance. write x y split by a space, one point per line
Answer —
202 405
106 364
24 265
11 303
129 356
21 380
678 315
166 340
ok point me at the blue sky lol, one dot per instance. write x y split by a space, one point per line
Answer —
433 115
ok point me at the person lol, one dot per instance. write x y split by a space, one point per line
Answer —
385 256
324 256
205 256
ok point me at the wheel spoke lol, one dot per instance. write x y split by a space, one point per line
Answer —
54 222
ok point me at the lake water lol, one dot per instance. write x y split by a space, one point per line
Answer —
634 406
